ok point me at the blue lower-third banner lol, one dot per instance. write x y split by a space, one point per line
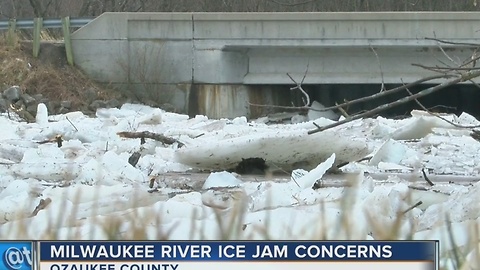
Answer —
213 255
238 251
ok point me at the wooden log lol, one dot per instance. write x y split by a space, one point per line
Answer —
150 135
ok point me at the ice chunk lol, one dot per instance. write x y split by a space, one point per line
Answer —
419 128
307 180
9 129
242 120
47 170
296 119
313 114
15 207
387 166
42 115
221 179
14 188
286 149
467 119
152 118
391 152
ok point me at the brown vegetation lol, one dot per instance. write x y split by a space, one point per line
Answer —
48 75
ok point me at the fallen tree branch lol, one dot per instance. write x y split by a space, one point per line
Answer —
71 124
426 178
446 72
464 77
412 207
305 98
439 116
343 111
440 69
57 139
150 135
472 61
446 55
386 92
41 205
362 99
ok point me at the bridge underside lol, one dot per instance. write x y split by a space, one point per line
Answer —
344 64
216 64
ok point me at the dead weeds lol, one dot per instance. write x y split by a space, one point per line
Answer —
48 75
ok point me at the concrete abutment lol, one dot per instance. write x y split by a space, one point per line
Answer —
217 63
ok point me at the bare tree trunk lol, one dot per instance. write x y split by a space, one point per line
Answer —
85 8
41 7
37 7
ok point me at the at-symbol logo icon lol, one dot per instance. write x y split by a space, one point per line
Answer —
15 258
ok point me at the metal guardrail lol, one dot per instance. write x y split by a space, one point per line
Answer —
37 24
47 23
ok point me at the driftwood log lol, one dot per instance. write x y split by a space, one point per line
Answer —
150 135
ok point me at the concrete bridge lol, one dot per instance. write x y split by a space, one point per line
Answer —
215 63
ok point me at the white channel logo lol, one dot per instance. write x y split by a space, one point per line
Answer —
15 258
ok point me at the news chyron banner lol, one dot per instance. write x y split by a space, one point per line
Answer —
219 255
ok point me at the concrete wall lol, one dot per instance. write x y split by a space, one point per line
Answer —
158 51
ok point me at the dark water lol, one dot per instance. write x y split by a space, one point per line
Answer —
454 99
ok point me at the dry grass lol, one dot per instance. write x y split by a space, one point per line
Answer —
66 83
230 228
48 75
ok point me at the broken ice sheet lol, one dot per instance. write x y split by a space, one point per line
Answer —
387 166
221 179
286 150
421 125
391 152
297 191
308 179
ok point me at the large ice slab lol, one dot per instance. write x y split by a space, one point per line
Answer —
288 150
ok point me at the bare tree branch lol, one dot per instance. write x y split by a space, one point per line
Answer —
305 98
86 4
362 99
439 69
387 92
445 70
382 87
37 7
464 77
439 116
446 55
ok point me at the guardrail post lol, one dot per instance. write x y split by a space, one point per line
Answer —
37 29
66 39
12 27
